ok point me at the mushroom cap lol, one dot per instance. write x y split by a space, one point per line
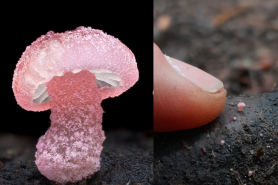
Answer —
241 104
81 49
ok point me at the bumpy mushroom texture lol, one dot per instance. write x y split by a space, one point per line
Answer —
54 54
70 150
70 73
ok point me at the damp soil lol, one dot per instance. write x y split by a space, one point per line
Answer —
195 156
127 159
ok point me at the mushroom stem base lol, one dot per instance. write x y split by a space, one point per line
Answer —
70 149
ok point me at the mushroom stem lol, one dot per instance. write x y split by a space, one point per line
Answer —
70 149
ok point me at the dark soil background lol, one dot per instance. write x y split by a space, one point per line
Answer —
127 121
237 42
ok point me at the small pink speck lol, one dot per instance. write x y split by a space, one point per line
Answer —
234 118
222 142
249 173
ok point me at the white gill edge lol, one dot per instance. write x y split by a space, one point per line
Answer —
76 70
39 91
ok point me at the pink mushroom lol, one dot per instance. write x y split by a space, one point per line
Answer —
222 142
71 73
234 118
240 106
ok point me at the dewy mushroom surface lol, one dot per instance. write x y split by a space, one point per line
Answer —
70 73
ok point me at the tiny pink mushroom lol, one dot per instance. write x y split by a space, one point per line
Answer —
234 118
250 173
240 106
71 73
222 142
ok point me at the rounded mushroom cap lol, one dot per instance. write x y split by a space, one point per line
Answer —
53 54
241 104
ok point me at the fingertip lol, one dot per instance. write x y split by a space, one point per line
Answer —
179 103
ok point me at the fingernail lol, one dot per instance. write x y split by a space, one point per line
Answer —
197 76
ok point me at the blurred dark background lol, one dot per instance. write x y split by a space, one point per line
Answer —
132 110
235 41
